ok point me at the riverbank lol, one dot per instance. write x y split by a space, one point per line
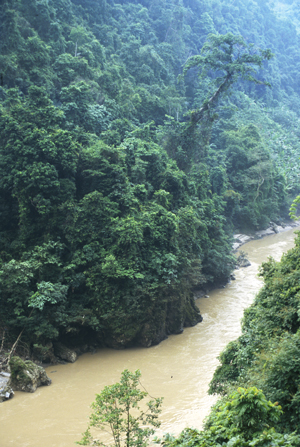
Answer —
241 239
62 354
179 369
68 355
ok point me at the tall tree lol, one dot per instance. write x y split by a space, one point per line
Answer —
227 58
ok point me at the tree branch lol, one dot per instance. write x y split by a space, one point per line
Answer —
198 115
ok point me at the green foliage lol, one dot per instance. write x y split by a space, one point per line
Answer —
115 204
18 369
103 169
32 296
277 370
293 209
247 413
47 292
117 410
230 58
267 352
246 418
253 175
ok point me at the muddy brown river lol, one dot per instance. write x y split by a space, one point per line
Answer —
180 368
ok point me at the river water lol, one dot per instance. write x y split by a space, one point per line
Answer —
180 368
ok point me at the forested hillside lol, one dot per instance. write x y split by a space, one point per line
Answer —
135 137
267 353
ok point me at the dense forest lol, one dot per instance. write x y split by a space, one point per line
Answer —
135 138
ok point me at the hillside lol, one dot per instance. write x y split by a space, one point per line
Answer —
119 187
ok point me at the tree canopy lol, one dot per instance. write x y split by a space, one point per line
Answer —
126 165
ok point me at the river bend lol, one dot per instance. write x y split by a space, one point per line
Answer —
180 368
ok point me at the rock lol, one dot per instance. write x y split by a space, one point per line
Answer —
263 233
177 314
242 260
44 353
242 238
82 349
274 227
280 228
199 293
151 335
26 376
65 353
245 263
6 393
232 277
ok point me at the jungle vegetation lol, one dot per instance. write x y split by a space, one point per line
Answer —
121 411
246 419
267 353
136 136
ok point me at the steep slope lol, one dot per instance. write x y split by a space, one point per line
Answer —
114 204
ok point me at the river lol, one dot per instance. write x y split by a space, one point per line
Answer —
180 368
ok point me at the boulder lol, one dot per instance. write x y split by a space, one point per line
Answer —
151 335
274 227
236 245
199 293
65 353
244 262
44 353
242 238
264 233
26 376
6 393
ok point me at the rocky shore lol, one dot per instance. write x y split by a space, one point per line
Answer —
22 376
6 392
241 239
27 376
